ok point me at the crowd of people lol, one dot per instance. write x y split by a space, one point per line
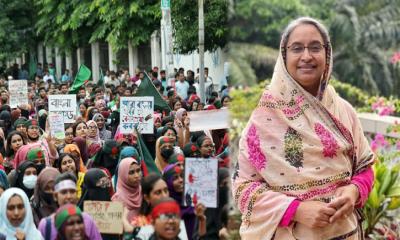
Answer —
45 181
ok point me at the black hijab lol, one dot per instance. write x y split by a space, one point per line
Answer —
20 177
91 192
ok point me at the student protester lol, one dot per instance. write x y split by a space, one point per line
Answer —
70 224
129 190
26 177
43 203
16 221
69 163
65 193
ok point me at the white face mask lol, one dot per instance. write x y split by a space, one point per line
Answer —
30 181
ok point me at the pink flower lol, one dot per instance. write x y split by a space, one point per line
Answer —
398 145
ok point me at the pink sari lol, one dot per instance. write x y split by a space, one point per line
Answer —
297 146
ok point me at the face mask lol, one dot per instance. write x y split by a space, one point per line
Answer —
167 152
29 181
48 198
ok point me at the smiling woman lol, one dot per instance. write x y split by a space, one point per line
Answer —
16 221
304 166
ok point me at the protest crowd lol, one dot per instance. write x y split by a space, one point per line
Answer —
112 159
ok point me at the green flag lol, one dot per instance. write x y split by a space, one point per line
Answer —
147 88
81 78
32 67
149 165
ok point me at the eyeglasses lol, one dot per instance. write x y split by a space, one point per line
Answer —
168 216
313 48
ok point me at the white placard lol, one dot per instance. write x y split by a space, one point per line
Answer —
136 112
64 105
18 92
201 182
208 120
57 126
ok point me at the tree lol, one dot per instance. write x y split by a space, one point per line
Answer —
73 23
184 15
262 21
16 31
363 34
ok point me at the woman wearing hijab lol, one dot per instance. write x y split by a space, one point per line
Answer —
43 203
76 153
164 149
22 153
182 123
126 152
16 220
304 166
173 176
68 163
26 177
93 136
107 157
103 132
97 187
129 190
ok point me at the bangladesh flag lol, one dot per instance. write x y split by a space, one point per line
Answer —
147 89
81 78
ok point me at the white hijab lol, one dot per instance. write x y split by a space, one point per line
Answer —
27 226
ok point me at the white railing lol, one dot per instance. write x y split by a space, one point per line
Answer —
373 123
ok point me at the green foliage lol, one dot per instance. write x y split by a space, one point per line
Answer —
16 31
262 21
385 195
184 14
250 61
355 96
363 33
69 24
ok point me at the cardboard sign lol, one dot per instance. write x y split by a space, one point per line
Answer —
208 120
18 92
57 126
136 112
106 215
201 182
64 105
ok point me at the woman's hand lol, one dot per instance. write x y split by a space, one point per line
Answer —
199 211
314 214
186 122
178 123
19 235
346 198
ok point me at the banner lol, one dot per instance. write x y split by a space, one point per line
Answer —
136 112
57 126
208 120
18 92
106 215
201 182
64 105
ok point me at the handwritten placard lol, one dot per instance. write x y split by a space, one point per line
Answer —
57 126
201 182
137 112
64 105
106 215
18 92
